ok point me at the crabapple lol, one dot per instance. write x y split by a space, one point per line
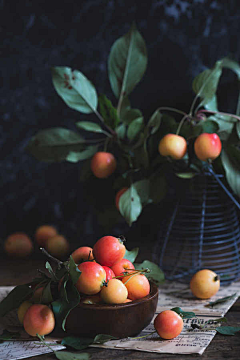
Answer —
91 279
138 286
121 267
23 309
83 253
204 284
103 164
43 233
108 250
118 195
57 246
207 146
109 273
173 145
114 292
39 319
168 324
18 245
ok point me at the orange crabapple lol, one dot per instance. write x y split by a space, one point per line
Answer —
39 319
114 292
121 267
103 164
109 273
138 286
83 253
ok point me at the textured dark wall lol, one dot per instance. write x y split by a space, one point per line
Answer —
183 38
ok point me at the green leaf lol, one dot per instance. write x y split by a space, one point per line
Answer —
108 112
47 294
154 122
231 162
75 156
222 300
6 335
14 299
206 83
143 189
129 115
186 175
53 145
66 355
225 124
89 126
62 307
130 205
127 62
210 126
121 131
134 128
184 314
131 255
77 343
73 270
156 275
75 89
50 270
102 338
232 65
228 330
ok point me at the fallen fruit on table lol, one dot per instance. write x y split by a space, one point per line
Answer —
43 233
18 245
168 324
57 246
204 284
39 319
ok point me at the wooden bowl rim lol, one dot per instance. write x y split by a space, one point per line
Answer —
153 293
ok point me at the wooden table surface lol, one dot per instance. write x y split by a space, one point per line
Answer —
222 347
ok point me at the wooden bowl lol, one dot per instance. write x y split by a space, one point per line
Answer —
120 320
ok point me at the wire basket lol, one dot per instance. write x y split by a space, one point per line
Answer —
203 232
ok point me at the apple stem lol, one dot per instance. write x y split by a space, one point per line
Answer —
51 257
185 117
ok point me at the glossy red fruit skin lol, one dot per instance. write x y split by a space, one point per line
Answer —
168 324
108 250
109 273
207 146
103 164
122 266
91 279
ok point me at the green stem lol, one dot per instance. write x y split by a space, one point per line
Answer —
111 131
51 257
172 109
42 340
219 113
181 123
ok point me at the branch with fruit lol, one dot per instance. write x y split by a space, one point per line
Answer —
136 153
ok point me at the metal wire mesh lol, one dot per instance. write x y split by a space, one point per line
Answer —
203 232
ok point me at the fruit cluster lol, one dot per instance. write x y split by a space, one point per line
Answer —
104 277
20 245
105 272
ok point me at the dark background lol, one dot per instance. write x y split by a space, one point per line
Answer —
182 37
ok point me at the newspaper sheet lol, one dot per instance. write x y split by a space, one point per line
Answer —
171 294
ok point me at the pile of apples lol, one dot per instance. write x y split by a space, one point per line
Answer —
106 277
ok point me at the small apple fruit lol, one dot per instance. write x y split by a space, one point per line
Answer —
121 267
103 164
91 279
204 284
108 250
207 146
18 245
43 233
39 319
173 145
83 253
168 324
57 246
